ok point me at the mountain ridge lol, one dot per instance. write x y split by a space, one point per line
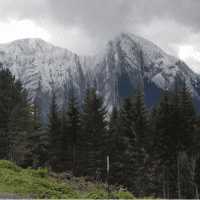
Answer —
45 69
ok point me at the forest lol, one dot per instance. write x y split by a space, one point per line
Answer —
149 152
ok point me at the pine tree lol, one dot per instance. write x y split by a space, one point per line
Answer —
115 148
154 170
161 138
19 139
37 128
79 166
92 134
126 169
36 143
12 137
3 142
140 128
191 165
24 127
66 157
197 154
187 171
26 139
74 121
72 128
174 132
7 104
53 132
12 122
188 120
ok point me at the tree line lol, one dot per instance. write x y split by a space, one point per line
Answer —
148 153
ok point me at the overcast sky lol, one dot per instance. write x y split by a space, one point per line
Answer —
85 26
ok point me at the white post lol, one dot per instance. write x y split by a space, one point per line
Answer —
108 171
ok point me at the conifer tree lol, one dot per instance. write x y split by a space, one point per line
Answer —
11 137
70 131
175 133
174 130
115 148
173 123
153 116
188 119
151 163
128 137
12 122
24 142
165 136
197 153
160 123
23 127
36 143
7 105
53 132
187 131
66 157
37 128
74 116
92 133
187 175
139 151
3 142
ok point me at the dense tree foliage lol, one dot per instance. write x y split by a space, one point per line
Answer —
14 117
66 158
115 149
35 144
8 100
149 152
126 170
91 138
162 138
70 130
53 132
138 153
188 121
175 136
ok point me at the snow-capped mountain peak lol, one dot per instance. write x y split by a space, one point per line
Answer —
45 69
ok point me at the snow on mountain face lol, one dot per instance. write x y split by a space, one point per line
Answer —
45 69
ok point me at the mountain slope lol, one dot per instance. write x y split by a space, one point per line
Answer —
45 69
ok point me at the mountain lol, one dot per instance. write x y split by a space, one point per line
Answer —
44 69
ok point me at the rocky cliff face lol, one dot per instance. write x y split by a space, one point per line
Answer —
45 69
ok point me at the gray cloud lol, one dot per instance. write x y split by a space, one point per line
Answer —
98 18
103 18
167 23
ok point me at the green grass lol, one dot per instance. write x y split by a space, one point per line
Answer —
28 182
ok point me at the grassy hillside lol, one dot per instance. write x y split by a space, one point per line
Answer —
41 184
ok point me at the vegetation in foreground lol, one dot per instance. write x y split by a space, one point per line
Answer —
146 151
41 184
